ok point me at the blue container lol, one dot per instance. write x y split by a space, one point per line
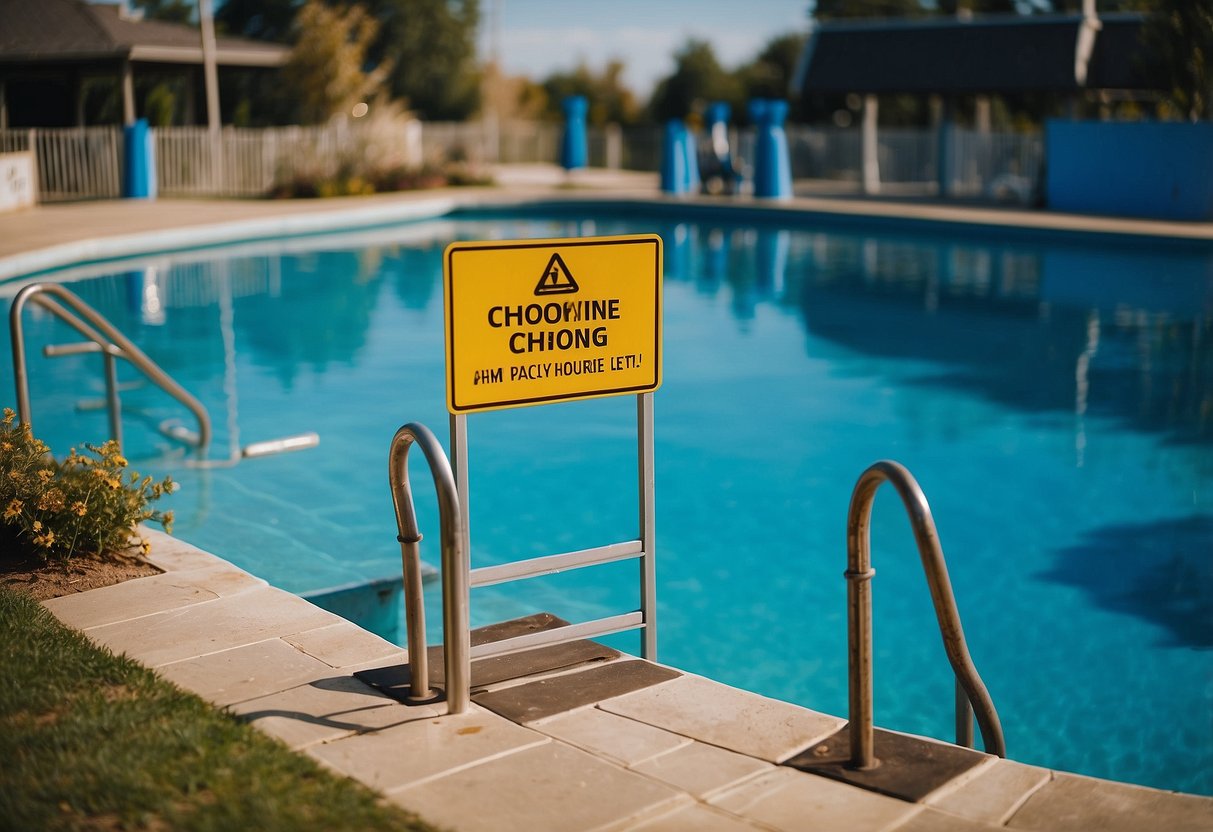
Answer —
139 157
772 167
573 149
674 176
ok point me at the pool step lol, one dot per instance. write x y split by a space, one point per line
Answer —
394 680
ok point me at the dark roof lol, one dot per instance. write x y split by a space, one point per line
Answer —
1004 53
56 31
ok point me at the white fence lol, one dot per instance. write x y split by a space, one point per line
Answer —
86 163
73 162
252 162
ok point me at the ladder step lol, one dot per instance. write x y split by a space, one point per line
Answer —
547 697
394 680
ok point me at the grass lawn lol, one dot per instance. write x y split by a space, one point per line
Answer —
93 741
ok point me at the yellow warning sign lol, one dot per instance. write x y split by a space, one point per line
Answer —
536 321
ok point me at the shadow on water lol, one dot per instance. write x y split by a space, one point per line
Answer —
1160 571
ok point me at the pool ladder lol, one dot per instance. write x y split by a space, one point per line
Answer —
103 337
458 578
972 698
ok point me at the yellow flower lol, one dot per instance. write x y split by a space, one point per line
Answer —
79 508
45 475
113 483
52 500
119 460
13 509
45 540
37 525
145 546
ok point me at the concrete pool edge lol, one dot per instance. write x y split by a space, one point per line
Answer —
101 231
684 753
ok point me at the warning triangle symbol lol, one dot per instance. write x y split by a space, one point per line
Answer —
556 279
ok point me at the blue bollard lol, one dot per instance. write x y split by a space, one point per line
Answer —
139 157
690 147
673 158
719 175
772 167
757 109
573 152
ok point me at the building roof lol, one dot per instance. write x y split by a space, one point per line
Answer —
994 54
62 31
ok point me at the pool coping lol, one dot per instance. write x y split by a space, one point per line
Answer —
686 753
102 231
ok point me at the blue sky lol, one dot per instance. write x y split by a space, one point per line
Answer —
540 36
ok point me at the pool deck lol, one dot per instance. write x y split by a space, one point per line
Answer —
678 752
50 236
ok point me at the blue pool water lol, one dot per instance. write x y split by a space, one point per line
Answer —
1053 395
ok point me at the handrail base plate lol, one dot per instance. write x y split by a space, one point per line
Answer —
909 767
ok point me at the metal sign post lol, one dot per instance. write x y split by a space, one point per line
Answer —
534 322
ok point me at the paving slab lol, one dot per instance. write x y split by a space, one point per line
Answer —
327 709
992 793
155 593
171 553
619 739
208 628
930 820
697 818
425 748
727 717
245 672
344 644
700 769
1070 801
548 788
786 799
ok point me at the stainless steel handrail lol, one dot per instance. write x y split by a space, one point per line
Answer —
110 342
455 598
970 690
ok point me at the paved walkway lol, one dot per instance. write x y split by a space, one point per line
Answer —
49 236
684 753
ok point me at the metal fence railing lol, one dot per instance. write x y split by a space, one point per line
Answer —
86 163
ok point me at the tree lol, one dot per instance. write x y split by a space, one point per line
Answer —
609 98
170 11
1179 37
698 80
769 75
842 9
325 71
431 45
259 19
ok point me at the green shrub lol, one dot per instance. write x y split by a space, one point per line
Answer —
88 504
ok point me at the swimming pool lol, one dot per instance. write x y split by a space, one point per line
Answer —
1053 395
